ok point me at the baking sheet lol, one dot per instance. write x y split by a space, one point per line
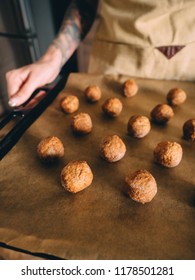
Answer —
101 222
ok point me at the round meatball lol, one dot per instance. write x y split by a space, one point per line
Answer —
92 93
189 130
138 126
112 107
176 96
50 149
76 176
69 104
168 154
112 148
81 123
142 186
130 88
162 113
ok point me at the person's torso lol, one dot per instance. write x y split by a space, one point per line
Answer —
145 29
147 22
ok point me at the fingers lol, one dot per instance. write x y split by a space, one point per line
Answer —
21 84
15 81
23 94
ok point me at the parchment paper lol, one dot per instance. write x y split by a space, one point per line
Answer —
101 222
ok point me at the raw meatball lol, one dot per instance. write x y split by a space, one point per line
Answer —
112 148
130 88
162 113
76 176
112 107
168 154
176 96
189 130
138 126
92 93
142 186
50 149
69 104
81 123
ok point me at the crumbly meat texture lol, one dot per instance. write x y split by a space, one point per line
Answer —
176 96
138 126
50 149
81 124
142 186
76 176
130 88
161 113
112 148
168 154
69 104
93 93
112 107
189 130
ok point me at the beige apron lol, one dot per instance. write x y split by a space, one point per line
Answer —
145 38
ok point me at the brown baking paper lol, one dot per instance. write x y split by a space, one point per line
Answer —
101 222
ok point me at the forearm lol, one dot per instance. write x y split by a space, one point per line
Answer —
77 22
69 35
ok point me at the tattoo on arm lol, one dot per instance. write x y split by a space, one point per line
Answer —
77 21
69 35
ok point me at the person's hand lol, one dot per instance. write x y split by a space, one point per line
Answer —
22 82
